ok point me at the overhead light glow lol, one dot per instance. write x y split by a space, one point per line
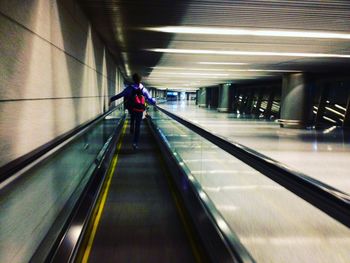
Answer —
222 63
247 53
126 63
340 107
272 70
192 74
226 70
329 119
334 111
248 32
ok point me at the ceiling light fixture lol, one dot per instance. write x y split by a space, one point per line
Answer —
155 71
248 32
189 74
222 63
247 53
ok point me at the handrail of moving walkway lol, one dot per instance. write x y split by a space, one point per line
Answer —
13 169
221 244
66 247
18 168
328 199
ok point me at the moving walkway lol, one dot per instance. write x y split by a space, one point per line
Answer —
161 203
91 197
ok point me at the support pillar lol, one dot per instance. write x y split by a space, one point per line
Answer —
346 123
296 101
249 102
202 97
256 111
235 99
243 94
268 110
321 107
224 98
214 97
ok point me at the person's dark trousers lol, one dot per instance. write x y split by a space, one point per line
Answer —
137 119
132 121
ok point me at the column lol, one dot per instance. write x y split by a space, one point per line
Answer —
321 107
346 123
269 104
296 101
224 97
256 111
202 97
249 102
214 97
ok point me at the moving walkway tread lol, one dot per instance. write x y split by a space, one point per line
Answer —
140 221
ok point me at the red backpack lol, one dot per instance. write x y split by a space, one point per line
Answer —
138 101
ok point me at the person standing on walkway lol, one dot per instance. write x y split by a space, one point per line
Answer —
133 92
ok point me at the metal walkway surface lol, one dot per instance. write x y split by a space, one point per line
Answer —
140 221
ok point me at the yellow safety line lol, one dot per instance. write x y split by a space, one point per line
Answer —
103 200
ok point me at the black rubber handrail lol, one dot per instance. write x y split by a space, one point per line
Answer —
328 199
9 169
67 245
220 242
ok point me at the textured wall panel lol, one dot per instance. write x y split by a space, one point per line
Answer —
35 122
55 73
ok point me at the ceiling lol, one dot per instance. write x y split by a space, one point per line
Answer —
239 46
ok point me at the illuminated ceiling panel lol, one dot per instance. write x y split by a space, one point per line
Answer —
235 27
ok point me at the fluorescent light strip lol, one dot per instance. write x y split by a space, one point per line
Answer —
192 74
221 63
248 32
194 69
340 107
329 119
225 70
203 77
272 70
247 53
329 129
334 111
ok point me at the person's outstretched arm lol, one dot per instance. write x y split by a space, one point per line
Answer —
148 96
118 96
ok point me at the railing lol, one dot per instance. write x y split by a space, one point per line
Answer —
220 242
330 200
40 191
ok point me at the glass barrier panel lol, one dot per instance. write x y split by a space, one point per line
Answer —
272 223
34 207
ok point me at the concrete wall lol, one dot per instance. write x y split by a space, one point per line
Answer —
55 73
